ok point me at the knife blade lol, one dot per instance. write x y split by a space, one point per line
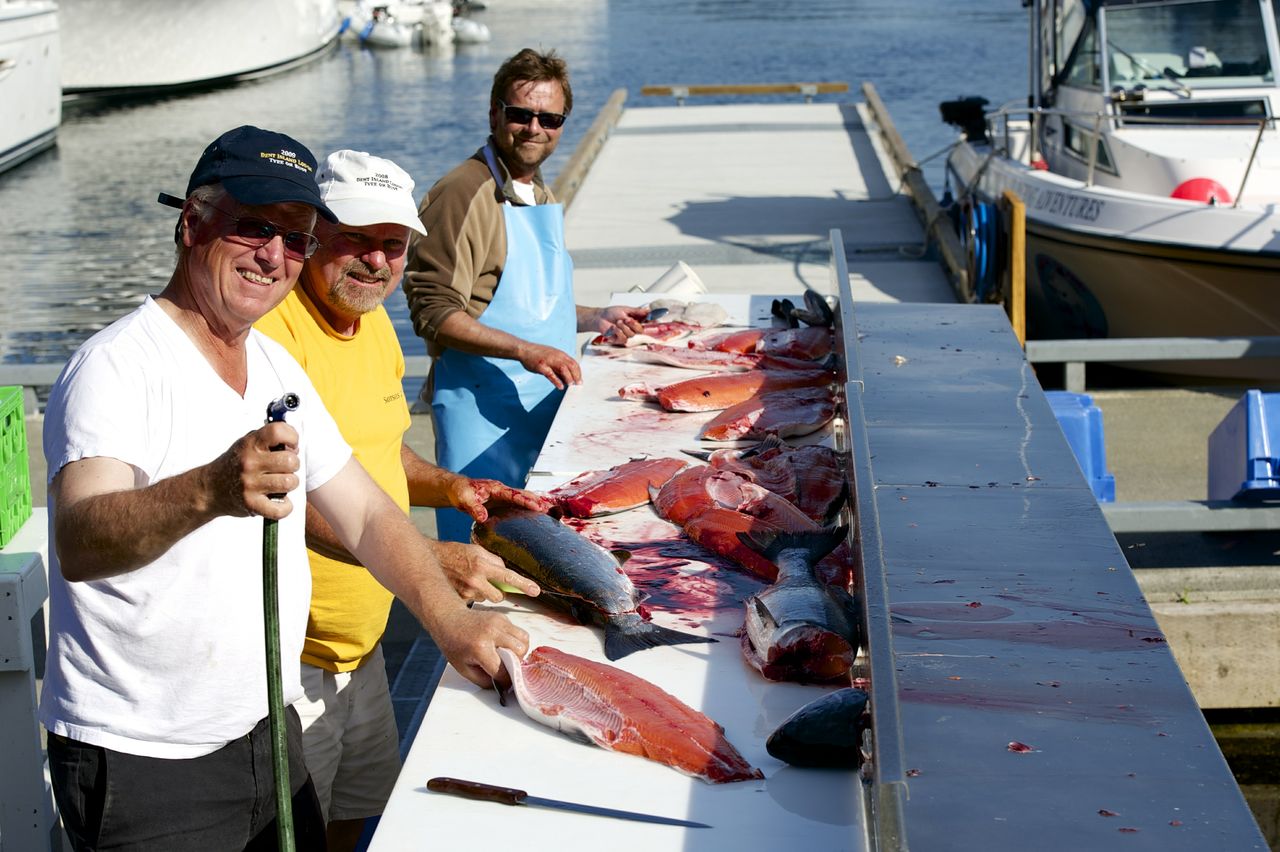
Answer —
512 796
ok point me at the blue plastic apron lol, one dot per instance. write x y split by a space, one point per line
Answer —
491 415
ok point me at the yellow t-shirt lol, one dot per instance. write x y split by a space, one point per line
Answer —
359 381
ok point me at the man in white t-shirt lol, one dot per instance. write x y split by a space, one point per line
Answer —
160 467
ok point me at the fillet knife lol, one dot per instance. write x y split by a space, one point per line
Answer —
511 796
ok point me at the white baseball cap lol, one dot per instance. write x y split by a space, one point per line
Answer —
362 189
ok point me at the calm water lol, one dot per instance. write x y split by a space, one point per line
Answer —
84 240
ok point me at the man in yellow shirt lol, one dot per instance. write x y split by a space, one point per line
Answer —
334 324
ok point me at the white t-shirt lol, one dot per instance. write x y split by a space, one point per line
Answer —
169 660
524 191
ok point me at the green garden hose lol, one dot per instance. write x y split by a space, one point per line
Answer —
271 620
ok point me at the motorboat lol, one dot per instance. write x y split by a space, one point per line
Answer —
30 93
1148 160
427 22
470 31
383 29
141 47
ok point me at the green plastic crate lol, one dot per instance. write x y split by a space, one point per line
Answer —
15 479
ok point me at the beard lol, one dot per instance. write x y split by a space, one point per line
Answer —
356 299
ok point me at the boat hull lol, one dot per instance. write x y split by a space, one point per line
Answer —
30 94
136 47
1100 264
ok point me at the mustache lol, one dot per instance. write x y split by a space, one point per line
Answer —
361 268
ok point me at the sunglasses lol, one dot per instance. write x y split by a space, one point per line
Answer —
520 115
256 231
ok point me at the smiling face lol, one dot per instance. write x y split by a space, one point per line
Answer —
525 147
232 282
354 270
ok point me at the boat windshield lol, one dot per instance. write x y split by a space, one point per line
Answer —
1198 45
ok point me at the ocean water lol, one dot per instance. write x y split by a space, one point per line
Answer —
84 240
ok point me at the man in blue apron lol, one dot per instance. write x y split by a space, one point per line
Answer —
490 288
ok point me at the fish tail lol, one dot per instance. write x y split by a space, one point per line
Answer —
832 512
771 542
626 637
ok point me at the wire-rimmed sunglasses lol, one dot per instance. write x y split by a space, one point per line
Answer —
256 231
520 115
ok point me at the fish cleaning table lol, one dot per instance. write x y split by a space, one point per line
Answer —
466 734
1022 694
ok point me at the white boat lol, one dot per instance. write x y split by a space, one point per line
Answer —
470 31
384 30
1149 162
30 94
136 47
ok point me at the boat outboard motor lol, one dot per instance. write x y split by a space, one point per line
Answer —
968 115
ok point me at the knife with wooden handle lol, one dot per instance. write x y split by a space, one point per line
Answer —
512 796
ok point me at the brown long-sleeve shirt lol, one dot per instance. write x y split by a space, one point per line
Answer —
457 266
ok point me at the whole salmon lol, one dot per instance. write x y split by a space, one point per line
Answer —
616 710
578 575
799 411
604 492
800 629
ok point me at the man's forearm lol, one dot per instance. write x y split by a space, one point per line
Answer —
429 485
463 332
109 534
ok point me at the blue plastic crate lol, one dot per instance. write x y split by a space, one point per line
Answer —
1243 450
1081 422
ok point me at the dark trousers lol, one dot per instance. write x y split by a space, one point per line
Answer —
221 801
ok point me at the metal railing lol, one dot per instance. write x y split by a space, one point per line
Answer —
998 127
683 92
1075 354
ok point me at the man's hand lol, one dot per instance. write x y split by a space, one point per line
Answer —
475 572
260 464
474 496
558 367
470 639
618 322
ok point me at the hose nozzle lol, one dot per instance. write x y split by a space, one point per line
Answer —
278 407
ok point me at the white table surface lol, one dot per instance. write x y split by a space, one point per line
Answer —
467 734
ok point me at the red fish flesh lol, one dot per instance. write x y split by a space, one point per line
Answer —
783 413
812 477
603 492
713 506
800 629
695 359
741 341
650 332
619 711
808 344
718 391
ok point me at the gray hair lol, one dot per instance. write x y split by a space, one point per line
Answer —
206 197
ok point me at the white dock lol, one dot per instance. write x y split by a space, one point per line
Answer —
746 194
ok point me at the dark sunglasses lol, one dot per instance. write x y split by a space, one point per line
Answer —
256 231
520 115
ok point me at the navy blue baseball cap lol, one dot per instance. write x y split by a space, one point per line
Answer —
259 166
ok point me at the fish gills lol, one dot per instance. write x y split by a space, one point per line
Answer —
824 732
625 486
619 711
577 575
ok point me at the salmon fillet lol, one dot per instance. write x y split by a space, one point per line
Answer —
619 711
